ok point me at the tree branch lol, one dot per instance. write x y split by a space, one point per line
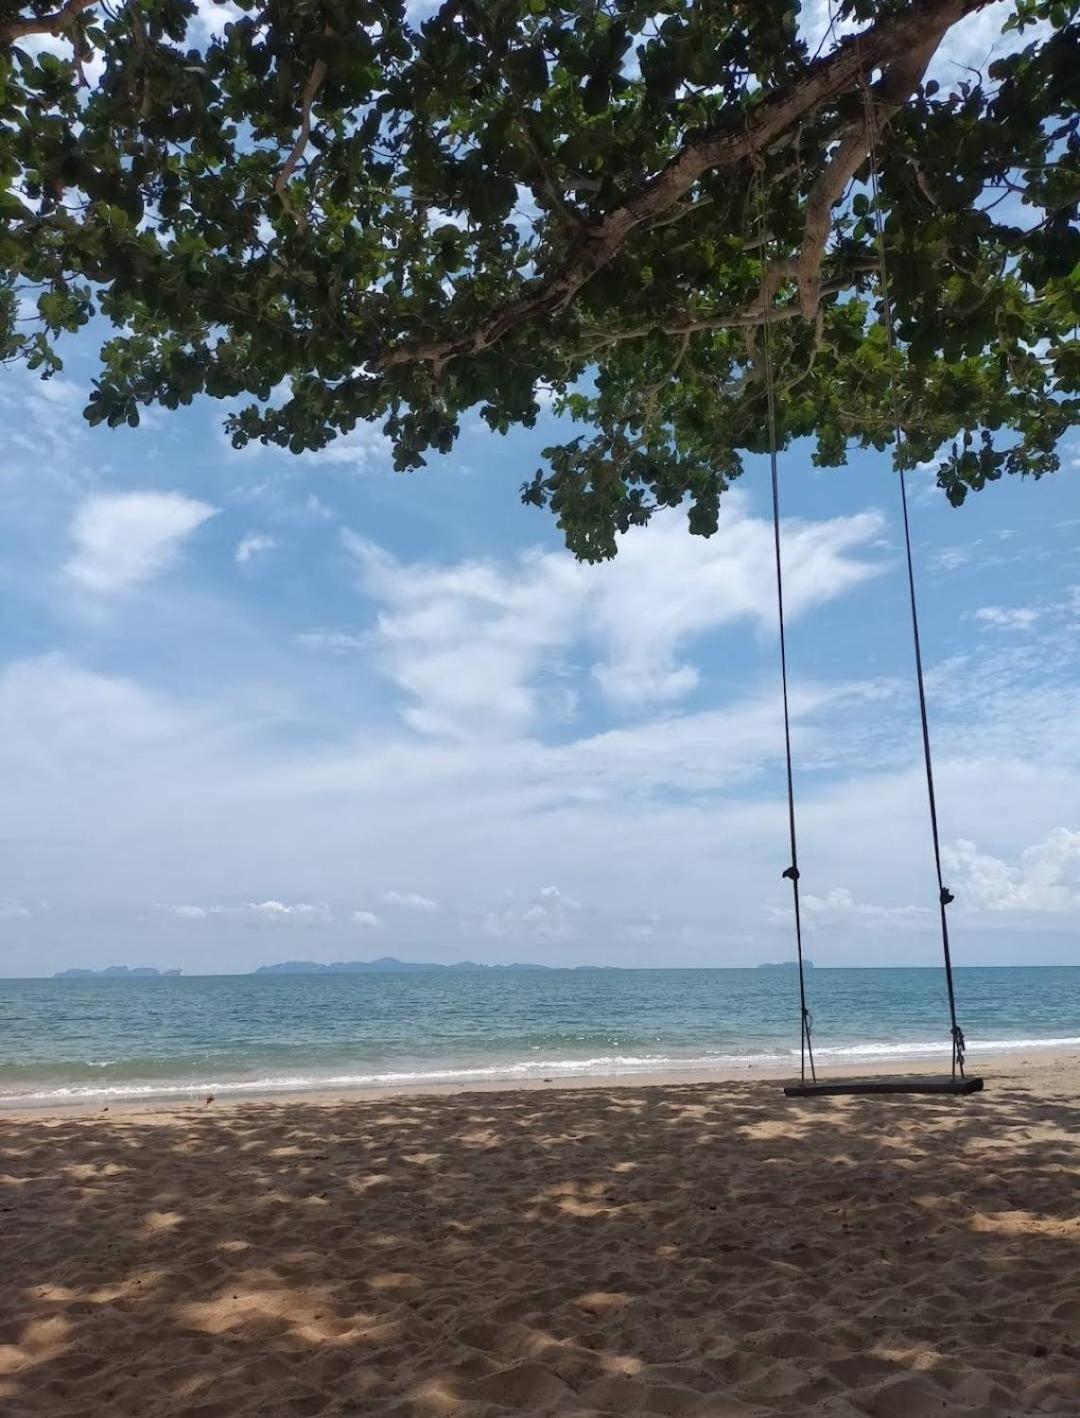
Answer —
56 23
288 167
748 319
688 211
649 395
142 44
815 350
726 144
890 94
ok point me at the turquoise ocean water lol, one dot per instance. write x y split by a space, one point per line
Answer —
64 1040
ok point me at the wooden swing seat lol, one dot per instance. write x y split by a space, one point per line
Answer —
860 1086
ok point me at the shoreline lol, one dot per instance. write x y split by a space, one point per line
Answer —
1024 1059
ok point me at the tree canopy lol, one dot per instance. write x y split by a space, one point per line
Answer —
345 210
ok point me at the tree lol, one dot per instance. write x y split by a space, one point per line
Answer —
347 213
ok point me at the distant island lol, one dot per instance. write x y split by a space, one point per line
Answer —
387 964
126 972
785 965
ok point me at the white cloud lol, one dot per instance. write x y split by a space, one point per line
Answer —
115 793
643 931
285 783
468 642
552 893
1045 879
714 750
277 912
437 216
59 392
13 910
839 904
123 539
334 642
482 648
549 916
666 589
365 918
55 724
1020 618
364 448
315 507
251 545
303 912
410 901
951 558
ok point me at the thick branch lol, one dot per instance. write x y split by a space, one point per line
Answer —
900 81
728 143
56 23
307 98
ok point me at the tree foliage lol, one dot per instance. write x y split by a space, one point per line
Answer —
344 210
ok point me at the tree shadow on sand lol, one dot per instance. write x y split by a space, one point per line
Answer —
697 1250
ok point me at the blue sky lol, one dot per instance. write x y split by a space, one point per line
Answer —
255 707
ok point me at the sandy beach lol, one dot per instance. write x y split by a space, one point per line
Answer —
690 1249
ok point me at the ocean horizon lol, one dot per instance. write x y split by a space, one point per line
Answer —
169 1037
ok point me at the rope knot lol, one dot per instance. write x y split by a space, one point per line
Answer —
947 898
790 874
959 1045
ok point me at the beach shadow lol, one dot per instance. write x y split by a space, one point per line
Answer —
692 1250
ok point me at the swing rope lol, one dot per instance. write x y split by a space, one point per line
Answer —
945 896
791 873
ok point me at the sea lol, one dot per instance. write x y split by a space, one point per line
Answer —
71 1040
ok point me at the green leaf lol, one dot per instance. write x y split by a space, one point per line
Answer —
597 93
611 252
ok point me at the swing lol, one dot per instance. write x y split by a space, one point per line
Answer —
956 1082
